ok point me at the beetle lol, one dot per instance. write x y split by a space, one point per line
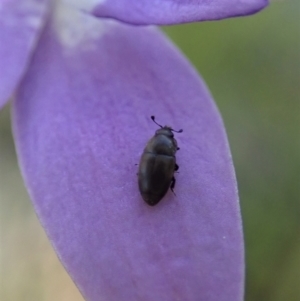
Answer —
158 164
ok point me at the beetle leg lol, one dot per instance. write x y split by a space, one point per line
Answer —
173 182
176 167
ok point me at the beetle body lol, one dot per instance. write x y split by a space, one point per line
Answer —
157 165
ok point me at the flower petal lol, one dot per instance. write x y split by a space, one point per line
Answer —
20 23
81 121
170 11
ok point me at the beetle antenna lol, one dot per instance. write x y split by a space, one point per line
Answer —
153 118
180 131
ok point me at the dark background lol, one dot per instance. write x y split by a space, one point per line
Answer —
252 67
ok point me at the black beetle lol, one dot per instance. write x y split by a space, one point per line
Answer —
157 165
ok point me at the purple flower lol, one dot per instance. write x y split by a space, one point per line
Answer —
84 89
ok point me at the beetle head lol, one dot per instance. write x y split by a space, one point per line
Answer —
166 130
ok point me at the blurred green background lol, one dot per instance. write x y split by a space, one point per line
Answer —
252 67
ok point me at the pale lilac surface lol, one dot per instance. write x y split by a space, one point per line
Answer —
174 11
81 121
20 24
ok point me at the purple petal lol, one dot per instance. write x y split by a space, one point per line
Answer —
20 23
172 11
81 121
